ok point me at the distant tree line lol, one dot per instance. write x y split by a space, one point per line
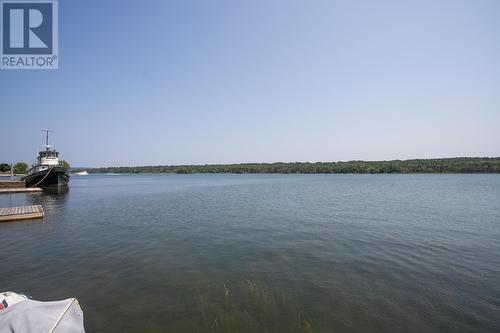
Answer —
21 167
18 168
65 165
442 165
4 167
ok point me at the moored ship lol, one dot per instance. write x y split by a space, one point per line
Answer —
47 171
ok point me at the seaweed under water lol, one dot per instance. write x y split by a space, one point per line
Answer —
246 306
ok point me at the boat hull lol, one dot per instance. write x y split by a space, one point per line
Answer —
52 177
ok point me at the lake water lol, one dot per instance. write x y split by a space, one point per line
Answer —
264 253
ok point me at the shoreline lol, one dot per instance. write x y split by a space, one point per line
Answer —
296 173
464 165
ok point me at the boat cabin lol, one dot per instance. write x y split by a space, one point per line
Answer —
48 157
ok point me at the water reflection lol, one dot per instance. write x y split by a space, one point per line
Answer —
56 190
50 197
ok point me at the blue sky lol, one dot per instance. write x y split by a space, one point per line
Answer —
174 82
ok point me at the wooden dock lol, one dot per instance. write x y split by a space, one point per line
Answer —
20 190
12 184
21 213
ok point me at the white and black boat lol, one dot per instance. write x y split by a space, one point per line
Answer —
47 171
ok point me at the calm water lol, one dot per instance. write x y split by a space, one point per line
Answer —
256 253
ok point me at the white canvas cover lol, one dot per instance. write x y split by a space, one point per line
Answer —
25 315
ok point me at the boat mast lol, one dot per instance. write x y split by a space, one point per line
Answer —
47 146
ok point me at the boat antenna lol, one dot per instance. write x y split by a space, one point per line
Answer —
47 138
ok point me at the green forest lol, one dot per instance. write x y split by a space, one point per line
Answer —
443 165
17 168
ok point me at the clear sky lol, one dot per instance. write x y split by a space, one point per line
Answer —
174 82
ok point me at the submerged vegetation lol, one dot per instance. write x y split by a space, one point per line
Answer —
248 306
442 165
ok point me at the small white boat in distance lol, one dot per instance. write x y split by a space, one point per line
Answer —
82 173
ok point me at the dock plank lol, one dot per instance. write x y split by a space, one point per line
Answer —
21 213
20 190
